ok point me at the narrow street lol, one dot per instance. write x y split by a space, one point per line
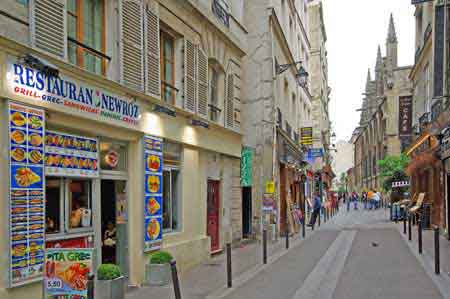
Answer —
359 254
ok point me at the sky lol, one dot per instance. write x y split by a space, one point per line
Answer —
355 28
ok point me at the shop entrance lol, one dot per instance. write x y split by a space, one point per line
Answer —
114 223
213 208
246 211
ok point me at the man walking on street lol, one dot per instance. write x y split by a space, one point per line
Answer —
316 209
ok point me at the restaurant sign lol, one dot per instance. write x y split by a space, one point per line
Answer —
444 147
405 116
72 95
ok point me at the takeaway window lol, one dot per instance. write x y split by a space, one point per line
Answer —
68 206
86 34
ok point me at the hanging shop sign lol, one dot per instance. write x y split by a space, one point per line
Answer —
315 153
70 155
270 187
444 147
153 158
405 116
71 95
306 135
66 273
246 167
26 206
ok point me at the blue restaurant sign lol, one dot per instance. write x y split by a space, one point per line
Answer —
315 153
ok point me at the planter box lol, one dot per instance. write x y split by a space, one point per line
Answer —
158 275
110 289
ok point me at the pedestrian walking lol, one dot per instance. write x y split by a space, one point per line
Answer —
317 205
355 201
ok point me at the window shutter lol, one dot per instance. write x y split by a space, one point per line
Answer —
229 117
48 27
190 85
202 73
132 48
152 71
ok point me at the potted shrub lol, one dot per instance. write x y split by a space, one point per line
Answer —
157 271
110 282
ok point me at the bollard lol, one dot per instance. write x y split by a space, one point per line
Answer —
287 238
303 227
390 213
175 281
404 225
229 277
90 286
264 246
409 227
437 259
419 234
320 212
325 215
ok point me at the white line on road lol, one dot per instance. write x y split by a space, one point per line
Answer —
322 281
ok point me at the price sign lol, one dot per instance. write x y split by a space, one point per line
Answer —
54 284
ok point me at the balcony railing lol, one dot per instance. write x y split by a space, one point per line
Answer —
221 11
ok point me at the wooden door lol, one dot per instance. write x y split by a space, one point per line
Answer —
213 208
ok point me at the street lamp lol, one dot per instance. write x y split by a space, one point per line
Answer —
301 76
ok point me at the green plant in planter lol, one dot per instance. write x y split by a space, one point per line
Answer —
108 272
160 257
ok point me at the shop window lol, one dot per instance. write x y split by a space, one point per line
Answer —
113 156
171 186
68 206
86 34
79 204
167 67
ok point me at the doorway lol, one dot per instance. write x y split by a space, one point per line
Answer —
246 211
114 223
213 208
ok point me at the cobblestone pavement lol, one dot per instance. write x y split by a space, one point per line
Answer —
356 254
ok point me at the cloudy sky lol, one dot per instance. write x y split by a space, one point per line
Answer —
354 29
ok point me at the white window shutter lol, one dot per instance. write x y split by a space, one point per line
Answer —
202 83
229 101
48 26
152 54
190 74
132 44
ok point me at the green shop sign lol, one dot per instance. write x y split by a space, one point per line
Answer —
246 167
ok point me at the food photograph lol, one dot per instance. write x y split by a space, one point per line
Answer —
17 136
18 119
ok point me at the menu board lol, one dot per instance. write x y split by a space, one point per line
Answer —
153 205
66 273
27 208
70 155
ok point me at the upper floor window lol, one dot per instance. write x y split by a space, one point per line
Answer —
216 90
86 34
221 9
167 67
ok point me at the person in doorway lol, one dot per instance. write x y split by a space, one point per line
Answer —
317 205
75 215
109 243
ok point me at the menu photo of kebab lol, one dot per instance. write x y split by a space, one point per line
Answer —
19 263
36 248
36 236
18 119
19 236
34 218
35 122
17 219
36 201
17 210
36 209
19 193
17 136
36 193
35 140
19 228
36 227
18 201
25 177
18 251
18 154
35 156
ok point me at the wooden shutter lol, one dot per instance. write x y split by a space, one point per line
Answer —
202 84
48 27
190 85
229 102
132 47
152 65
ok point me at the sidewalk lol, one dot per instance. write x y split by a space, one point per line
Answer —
210 276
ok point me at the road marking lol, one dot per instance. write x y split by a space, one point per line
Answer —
322 281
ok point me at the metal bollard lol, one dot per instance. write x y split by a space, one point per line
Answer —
404 225
229 273
287 238
90 286
264 246
437 257
409 227
419 235
390 213
303 227
319 215
176 283
325 215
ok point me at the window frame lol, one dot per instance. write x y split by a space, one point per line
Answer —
78 41
163 36
171 169
67 203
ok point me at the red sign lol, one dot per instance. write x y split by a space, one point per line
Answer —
69 243
405 116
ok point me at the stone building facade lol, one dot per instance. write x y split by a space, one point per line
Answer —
274 106
378 133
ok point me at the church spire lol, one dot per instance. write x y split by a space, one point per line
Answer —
392 35
379 59
369 79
